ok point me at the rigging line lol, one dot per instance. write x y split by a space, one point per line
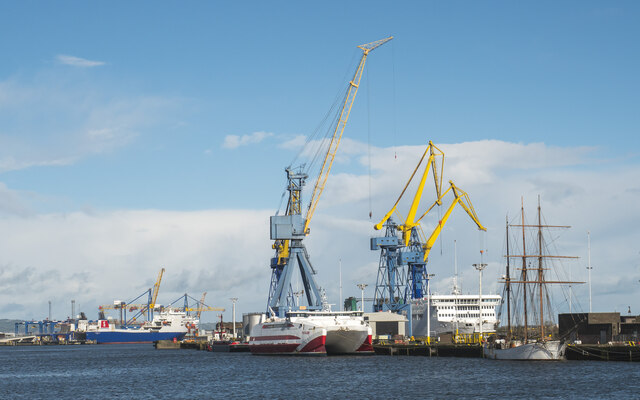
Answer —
340 95
393 78
340 98
369 141
316 132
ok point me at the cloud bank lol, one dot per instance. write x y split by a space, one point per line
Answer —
96 258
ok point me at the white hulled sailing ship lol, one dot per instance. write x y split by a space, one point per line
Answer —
527 300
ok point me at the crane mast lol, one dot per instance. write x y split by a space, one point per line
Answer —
289 230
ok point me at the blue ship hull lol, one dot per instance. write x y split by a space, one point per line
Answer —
132 336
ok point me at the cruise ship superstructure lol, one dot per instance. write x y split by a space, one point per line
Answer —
455 313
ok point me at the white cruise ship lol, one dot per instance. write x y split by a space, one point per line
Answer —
454 313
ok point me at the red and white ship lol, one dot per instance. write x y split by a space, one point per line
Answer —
312 333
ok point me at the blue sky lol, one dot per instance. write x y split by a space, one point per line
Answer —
118 109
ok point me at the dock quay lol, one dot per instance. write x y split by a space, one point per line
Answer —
171 345
603 352
432 350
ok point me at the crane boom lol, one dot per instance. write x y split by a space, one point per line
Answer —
339 129
201 305
156 289
409 224
460 197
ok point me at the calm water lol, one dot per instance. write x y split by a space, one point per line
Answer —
141 372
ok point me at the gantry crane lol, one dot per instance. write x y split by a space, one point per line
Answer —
142 309
147 309
290 229
199 305
402 272
393 274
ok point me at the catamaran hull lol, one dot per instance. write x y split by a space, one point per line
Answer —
274 339
551 350
349 340
312 333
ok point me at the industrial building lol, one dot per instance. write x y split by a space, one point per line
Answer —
599 328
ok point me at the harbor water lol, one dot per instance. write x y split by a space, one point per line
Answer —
141 372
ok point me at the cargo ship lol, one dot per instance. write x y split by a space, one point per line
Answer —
166 325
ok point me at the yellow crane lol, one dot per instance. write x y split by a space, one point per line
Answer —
156 289
402 273
460 197
201 305
435 163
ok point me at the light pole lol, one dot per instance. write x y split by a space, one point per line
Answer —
340 301
362 286
429 276
480 267
233 301
589 267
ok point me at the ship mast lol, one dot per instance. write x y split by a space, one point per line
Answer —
540 273
524 274
508 285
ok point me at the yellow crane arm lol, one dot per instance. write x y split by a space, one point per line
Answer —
409 223
201 305
460 197
156 289
206 308
339 129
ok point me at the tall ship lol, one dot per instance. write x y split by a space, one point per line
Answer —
311 329
529 310
166 325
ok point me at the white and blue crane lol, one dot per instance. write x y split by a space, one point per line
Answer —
289 230
402 269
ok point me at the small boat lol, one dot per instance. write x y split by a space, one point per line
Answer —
304 332
165 325
227 346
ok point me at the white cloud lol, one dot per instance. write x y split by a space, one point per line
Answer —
78 62
96 258
235 141
294 143
52 122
